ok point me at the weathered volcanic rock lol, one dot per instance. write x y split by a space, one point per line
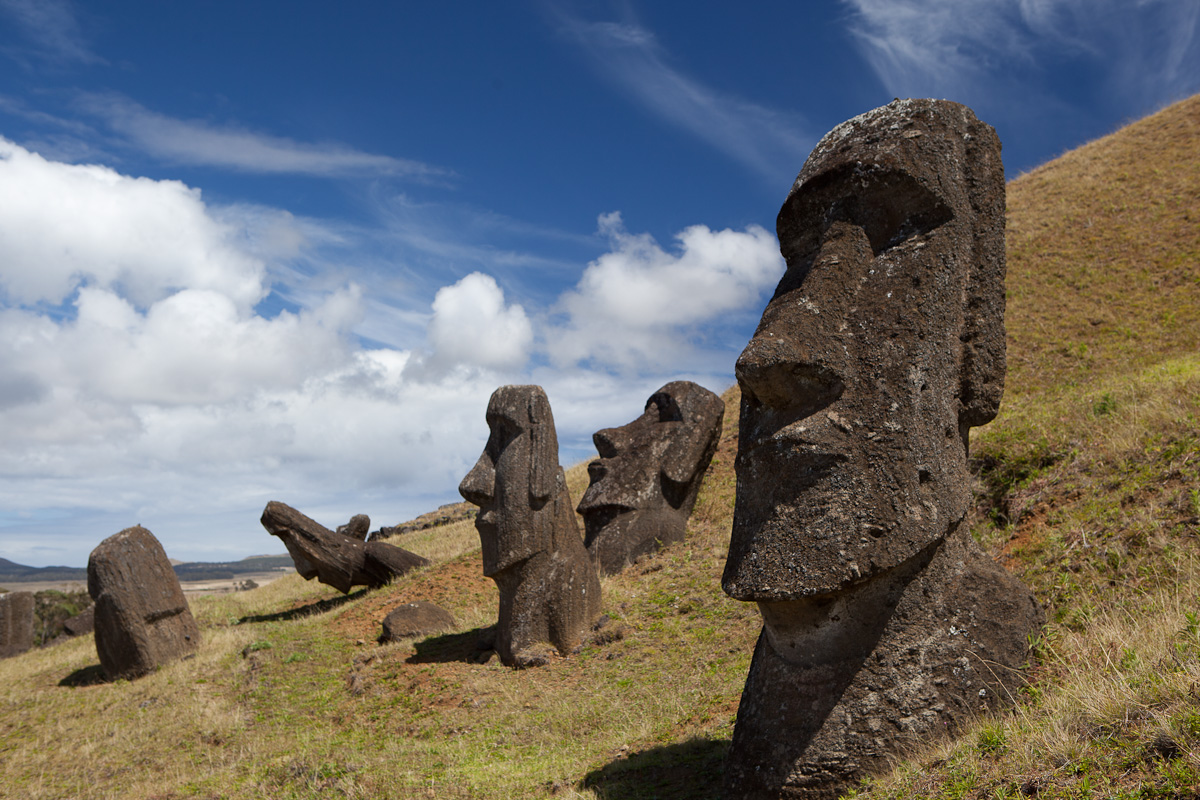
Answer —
358 527
645 482
549 587
884 624
16 623
333 558
82 623
418 618
142 619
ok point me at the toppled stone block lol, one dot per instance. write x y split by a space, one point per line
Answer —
16 623
884 623
645 482
332 558
141 617
418 618
549 587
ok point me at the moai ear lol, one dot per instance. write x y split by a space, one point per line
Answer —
983 343
543 449
701 411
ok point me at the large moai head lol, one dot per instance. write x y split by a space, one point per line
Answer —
884 623
515 478
142 619
882 346
645 482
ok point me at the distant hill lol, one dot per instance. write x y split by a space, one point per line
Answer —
12 572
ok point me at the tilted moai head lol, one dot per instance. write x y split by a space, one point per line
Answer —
549 589
882 346
645 482
142 619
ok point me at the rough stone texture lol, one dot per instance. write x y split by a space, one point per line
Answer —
644 483
16 623
549 588
418 618
142 619
336 559
358 527
884 623
81 623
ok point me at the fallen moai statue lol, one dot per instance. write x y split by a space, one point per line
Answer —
884 623
16 623
337 559
645 482
549 587
141 617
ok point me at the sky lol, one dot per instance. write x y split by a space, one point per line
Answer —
286 250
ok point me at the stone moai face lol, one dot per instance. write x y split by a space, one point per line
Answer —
142 619
644 484
883 344
514 478
883 621
549 589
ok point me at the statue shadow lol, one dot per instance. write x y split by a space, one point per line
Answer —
317 607
690 770
451 647
86 676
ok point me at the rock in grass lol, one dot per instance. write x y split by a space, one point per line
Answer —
418 618
16 623
142 619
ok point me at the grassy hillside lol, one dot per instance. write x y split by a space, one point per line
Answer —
1089 487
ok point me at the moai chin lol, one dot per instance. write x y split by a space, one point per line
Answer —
549 588
883 622
142 619
645 482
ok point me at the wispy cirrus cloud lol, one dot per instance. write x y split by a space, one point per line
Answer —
50 30
1128 55
767 141
201 143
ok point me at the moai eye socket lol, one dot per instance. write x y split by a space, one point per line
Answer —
890 205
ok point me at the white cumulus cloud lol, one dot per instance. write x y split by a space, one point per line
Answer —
66 225
637 304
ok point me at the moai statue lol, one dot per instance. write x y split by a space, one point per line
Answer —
884 623
340 558
645 482
549 588
142 619
16 623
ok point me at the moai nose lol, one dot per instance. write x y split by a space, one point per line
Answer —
780 375
479 484
610 441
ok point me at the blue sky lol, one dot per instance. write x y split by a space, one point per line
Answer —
255 251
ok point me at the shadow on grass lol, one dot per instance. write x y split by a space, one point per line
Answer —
87 676
318 607
450 647
690 770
